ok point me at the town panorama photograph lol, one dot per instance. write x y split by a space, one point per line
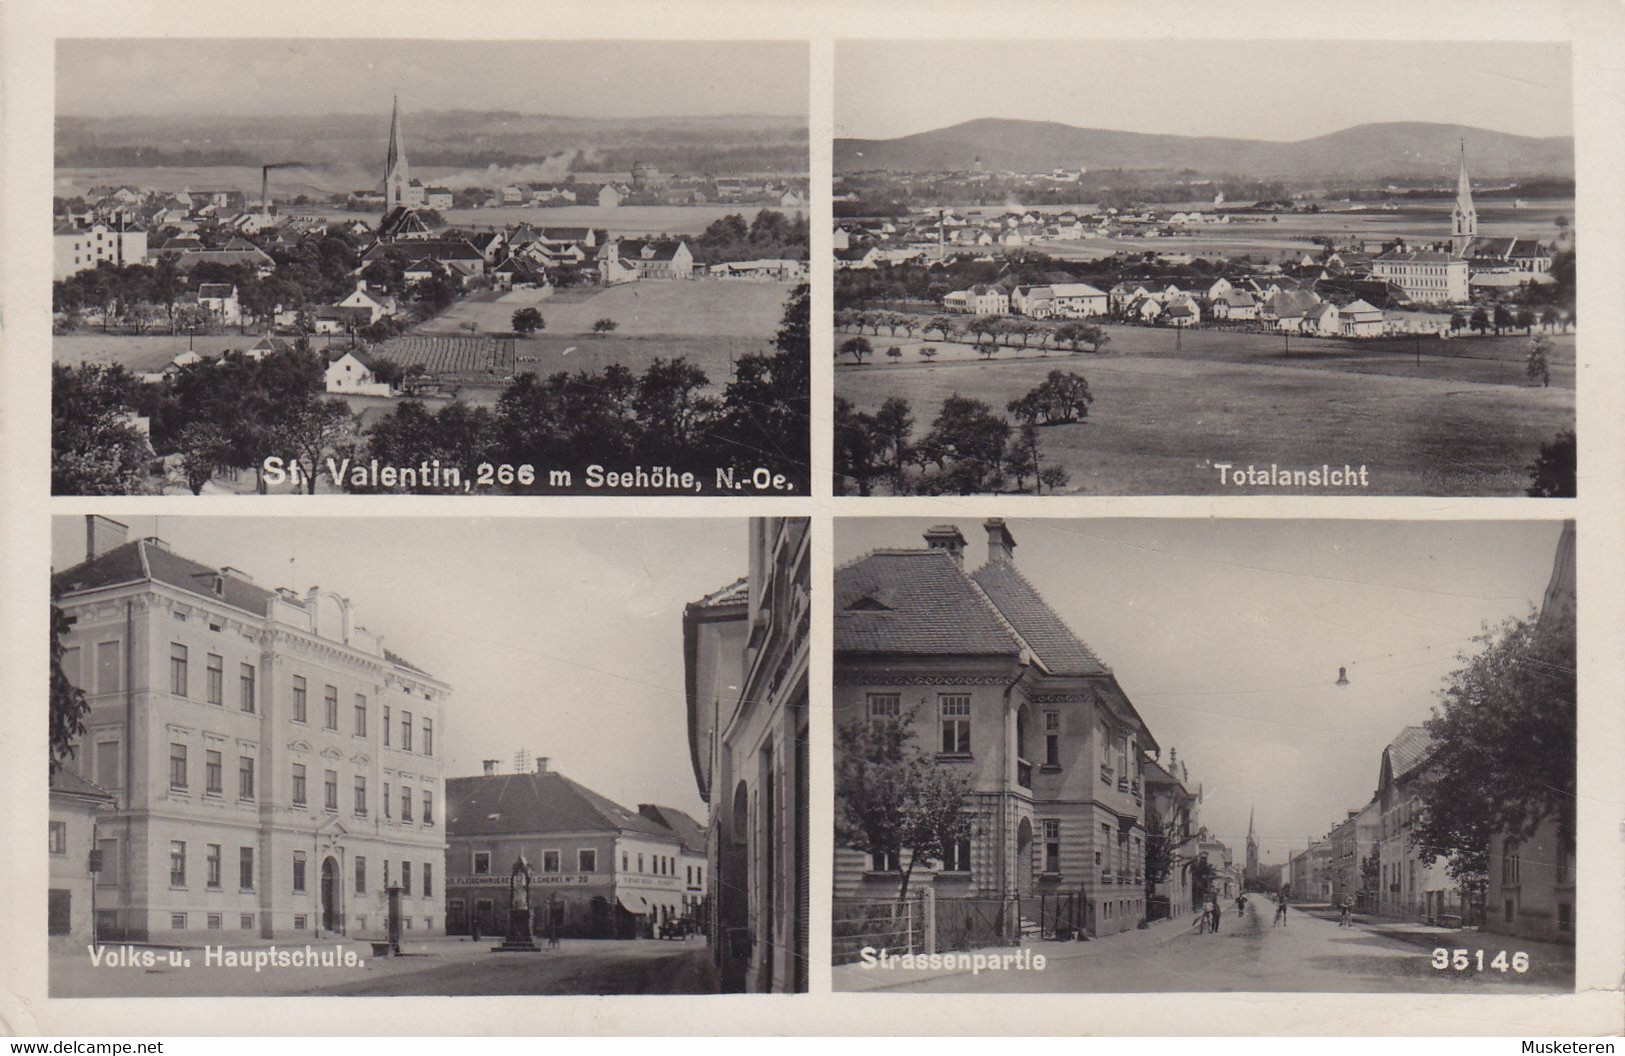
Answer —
432 267
1208 267
1108 755
279 767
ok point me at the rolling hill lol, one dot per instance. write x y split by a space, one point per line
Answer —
1364 151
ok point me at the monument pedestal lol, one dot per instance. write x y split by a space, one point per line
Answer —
519 939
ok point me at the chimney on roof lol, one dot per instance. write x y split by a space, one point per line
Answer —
947 537
156 543
541 764
490 767
1001 545
103 534
236 573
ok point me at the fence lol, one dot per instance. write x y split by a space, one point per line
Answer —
972 923
899 927
1060 916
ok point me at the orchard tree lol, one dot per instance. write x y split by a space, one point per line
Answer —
857 348
1063 397
604 326
527 321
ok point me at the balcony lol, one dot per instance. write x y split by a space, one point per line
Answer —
1122 783
1105 774
1024 774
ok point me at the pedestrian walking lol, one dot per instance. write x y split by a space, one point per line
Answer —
1280 909
1347 918
1213 914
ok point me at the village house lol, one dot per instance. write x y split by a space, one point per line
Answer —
746 662
993 682
219 299
350 373
225 718
77 807
980 299
1234 306
645 259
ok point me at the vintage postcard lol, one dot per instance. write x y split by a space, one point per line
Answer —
1100 291
577 775
332 276
1205 755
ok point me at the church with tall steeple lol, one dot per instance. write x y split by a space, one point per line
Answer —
1464 218
397 180
1252 849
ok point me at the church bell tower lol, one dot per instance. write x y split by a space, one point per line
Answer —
395 174
1464 218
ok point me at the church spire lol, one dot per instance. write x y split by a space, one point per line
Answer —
1250 812
395 176
1464 218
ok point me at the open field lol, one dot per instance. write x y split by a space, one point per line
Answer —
145 353
1161 423
1486 359
643 309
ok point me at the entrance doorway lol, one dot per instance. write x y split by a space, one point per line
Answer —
1024 859
332 919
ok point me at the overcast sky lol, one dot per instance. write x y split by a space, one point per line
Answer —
1276 90
1227 637
563 637
102 78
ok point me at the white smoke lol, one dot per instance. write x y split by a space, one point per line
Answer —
554 169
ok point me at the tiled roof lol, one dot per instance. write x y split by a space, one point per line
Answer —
537 802
1409 750
1039 626
732 594
69 781
687 829
916 602
141 561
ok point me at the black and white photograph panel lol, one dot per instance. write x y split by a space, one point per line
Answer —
1204 755
1157 279
430 267
280 766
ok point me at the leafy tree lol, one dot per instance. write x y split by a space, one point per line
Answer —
893 800
857 348
1503 759
1202 872
1062 397
894 426
894 354
767 406
1053 478
942 324
95 447
457 435
966 443
1457 321
1553 474
1502 319
604 326
1480 320
928 353
987 351
1536 366
527 321
1021 461
203 449
68 704
311 432
857 448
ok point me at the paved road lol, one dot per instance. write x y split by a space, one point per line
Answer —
1248 953
434 967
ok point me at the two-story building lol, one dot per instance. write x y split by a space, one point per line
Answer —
598 870
274 766
1410 884
1000 690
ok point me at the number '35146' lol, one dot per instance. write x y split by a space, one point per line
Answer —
1479 960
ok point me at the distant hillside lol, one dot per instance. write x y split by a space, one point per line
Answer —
1364 151
729 144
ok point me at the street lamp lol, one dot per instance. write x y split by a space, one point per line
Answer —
1342 676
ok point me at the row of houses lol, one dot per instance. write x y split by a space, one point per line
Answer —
1369 858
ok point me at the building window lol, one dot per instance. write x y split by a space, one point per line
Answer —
884 862
212 860
216 677
177 863
406 804
428 880
1052 738
955 723
177 669
406 878
587 861
245 868
298 922
246 922
428 736
640 863
1052 845
550 861
299 698
109 667
298 871
108 877
59 837
428 807
386 725
884 707
107 764
245 777
406 731
298 784
958 858
1511 862
177 921
361 795
330 788
246 683
213 773
360 715
177 766
331 720
482 863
